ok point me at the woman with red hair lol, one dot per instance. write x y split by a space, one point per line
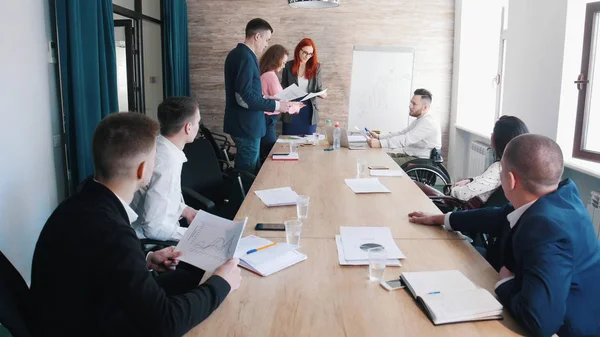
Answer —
305 71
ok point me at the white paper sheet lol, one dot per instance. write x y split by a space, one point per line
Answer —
313 94
210 241
353 237
291 93
290 156
386 173
357 139
366 185
283 196
296 139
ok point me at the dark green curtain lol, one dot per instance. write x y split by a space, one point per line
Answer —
88 75
176 57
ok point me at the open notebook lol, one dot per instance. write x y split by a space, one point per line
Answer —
449 297
267 261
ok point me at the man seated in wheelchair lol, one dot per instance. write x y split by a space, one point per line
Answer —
419 138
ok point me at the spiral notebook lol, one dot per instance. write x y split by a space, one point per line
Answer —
450 297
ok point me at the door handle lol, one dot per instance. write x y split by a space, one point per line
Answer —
581 82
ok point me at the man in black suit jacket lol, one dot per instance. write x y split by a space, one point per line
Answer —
551 255
89 274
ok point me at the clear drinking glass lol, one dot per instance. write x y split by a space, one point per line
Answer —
377 262
302 207
293 230
315 138
361 167
293 146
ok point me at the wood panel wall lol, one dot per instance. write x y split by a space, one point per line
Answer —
216 26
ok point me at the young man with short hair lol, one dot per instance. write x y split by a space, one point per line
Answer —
160 205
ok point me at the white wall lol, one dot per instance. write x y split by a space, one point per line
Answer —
534 60
31 168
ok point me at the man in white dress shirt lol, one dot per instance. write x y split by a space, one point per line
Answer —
160 205
419 138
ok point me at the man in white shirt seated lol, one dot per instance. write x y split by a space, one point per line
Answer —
419 138
160 205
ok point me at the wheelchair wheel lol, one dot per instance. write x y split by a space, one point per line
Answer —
428 174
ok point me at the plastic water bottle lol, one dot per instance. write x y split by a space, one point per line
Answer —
328 126
337 137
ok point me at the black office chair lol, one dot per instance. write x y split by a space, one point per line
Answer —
431 172
15 301
221 145
203 182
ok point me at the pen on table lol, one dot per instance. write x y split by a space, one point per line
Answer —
433 292
261 248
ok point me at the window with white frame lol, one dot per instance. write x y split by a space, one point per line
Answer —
586 144
482 42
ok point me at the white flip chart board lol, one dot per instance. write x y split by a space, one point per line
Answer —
381 87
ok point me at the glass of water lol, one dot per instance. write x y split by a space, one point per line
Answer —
302 207
377 262
361 167
293 230
315 138
293 146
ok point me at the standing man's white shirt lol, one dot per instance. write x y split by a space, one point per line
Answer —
160 205
417 140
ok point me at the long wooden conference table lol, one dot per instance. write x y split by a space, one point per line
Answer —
318 297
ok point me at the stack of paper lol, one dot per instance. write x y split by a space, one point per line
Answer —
386 173
269 260
344 262
449 297
290 156
367 185
357 139
283 196
298 139
351 239
210 241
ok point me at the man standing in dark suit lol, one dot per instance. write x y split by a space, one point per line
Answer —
89 274
551 263
245 105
